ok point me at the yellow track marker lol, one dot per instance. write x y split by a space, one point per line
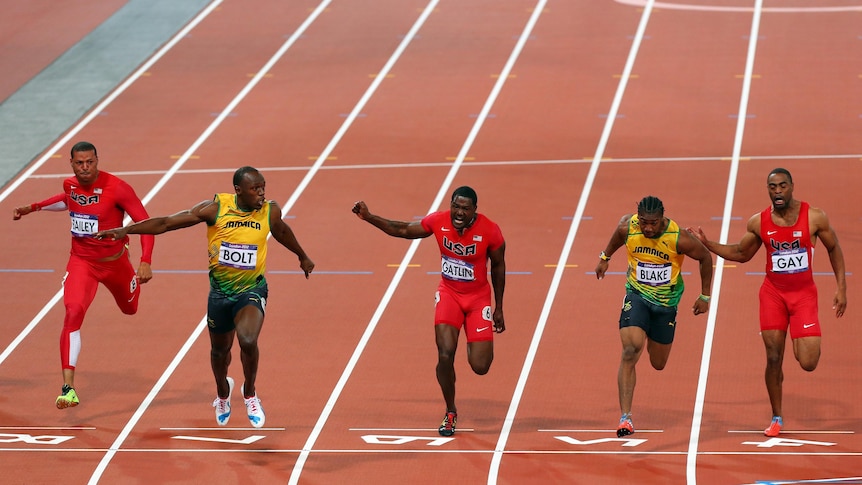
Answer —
193 157
394 265
452 159
328 158
565 266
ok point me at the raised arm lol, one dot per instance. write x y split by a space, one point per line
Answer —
406 230
824 231
54 203
740 252
284 235
205 211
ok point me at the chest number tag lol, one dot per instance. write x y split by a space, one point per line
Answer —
654 274
240 256
84 225
457 270
790 261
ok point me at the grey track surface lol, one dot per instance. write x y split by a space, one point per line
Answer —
36 115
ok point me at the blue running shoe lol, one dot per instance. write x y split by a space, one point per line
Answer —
255 412
222 406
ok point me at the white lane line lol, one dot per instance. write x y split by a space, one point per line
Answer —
438 200
700 397
819 8
567 247
100 469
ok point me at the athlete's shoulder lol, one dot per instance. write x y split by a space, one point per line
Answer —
485 222
434 219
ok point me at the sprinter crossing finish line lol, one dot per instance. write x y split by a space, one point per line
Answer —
788 229
467 241
656 248
238 225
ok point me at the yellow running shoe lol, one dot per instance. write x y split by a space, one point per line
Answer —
68 399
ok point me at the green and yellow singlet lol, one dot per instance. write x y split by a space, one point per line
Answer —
654 264
237 246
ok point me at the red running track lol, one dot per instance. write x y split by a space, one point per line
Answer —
562 115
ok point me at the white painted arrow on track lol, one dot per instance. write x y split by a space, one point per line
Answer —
246 441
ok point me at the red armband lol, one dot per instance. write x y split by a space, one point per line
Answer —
35 207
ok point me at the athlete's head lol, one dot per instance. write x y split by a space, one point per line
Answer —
250 188
651 216
780 186
463 207
85 162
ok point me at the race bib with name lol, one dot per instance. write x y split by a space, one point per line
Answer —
240 256
84 225
790 261
654 274
457 270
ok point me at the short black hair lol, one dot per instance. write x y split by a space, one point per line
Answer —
83 146
782 171
465 191
651 205
240 173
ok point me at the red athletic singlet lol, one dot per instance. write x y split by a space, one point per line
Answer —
789 250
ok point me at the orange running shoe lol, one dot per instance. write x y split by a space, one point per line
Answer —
626 426
774 428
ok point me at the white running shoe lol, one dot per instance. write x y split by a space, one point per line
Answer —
255 411
222 406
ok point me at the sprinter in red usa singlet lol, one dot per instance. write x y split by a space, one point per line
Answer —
467 241
788 229
95 201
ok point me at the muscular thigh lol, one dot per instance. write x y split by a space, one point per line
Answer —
222 309
789 311
658 322
469 310
120 279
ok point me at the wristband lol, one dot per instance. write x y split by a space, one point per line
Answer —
35 207
705 298
604 257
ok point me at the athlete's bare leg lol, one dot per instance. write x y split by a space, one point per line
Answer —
807 352
480 355
774 341
658 354
447 343
633 340
249 322
69 377
220 344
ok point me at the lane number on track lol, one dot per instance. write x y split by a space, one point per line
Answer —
382 439
33 440
773 442
624 441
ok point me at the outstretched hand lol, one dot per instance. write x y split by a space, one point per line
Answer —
113 234
697 233
18 212
361 210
